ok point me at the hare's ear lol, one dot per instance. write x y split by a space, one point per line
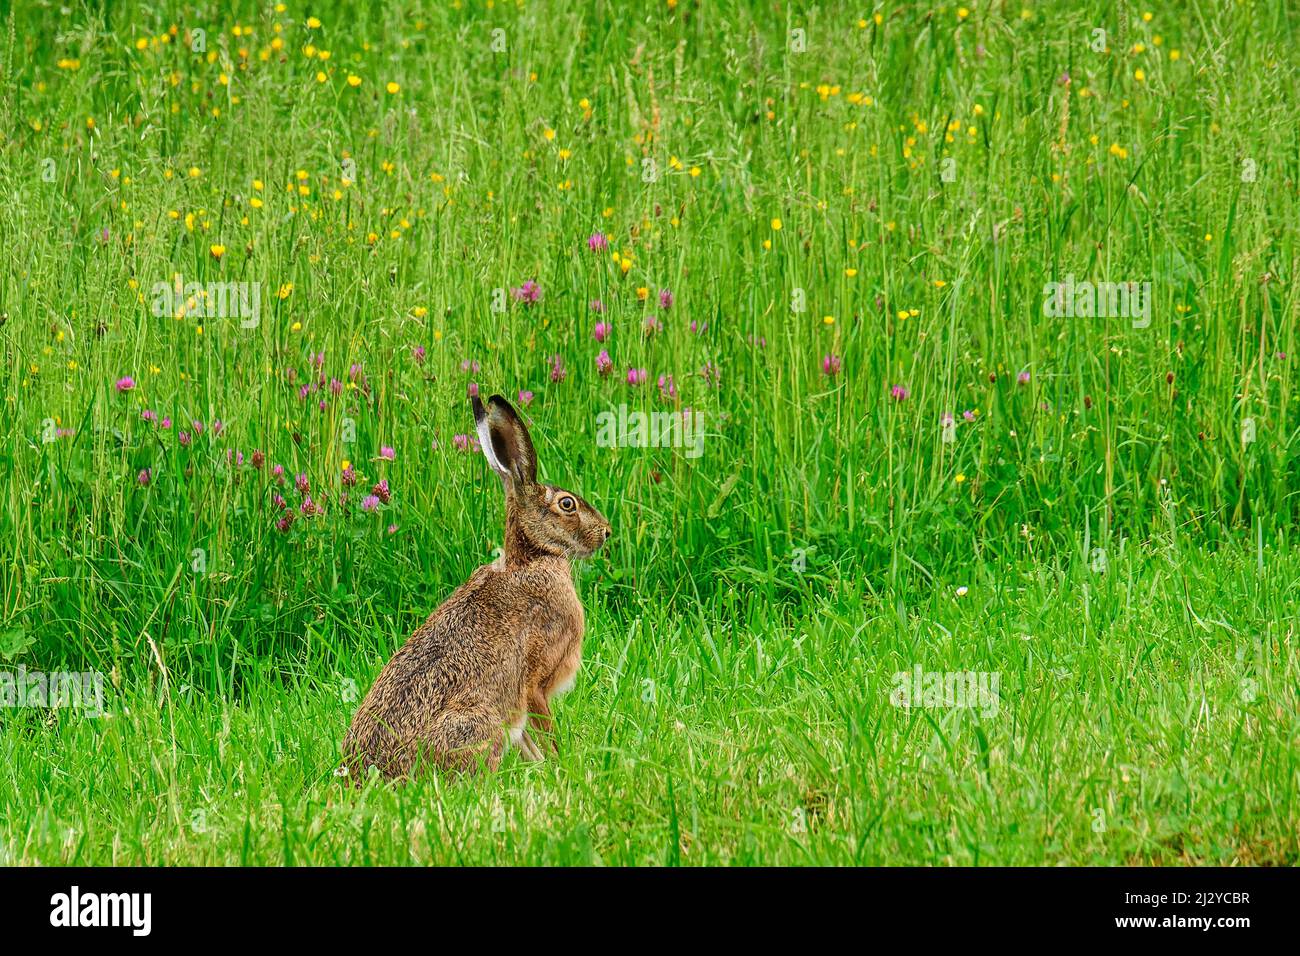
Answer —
505 440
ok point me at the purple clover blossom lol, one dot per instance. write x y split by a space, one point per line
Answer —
528 293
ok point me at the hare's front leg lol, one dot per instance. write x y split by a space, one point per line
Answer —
529 750
519 737
539 717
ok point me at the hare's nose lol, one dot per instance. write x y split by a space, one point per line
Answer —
607 534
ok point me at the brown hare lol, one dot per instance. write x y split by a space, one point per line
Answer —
484 666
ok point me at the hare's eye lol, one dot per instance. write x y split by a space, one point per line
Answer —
568 505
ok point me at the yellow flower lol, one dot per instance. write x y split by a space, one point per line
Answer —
828 320
1139 75
392 87
195 172
313 23
850 272
642 293
960 478
776 224
549 134
296 327
217 250
354 80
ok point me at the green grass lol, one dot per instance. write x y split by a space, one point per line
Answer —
1146 715
895 195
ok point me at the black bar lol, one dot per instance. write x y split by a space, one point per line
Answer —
337 905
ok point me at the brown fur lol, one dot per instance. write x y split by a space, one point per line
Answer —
491 657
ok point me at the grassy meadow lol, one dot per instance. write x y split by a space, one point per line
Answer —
258 257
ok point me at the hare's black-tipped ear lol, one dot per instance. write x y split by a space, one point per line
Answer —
505 440
485 437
